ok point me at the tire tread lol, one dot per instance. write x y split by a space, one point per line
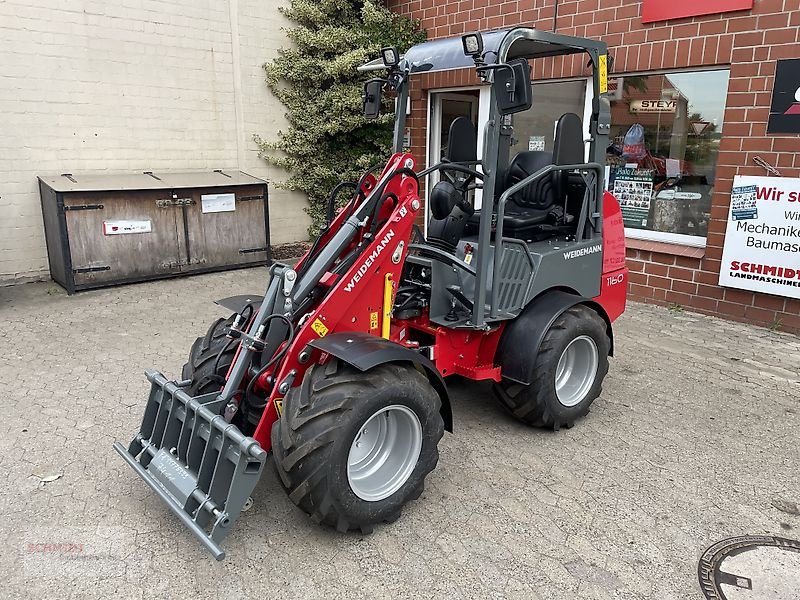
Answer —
314 414
533 404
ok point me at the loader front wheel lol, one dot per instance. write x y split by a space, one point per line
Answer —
568 372
209 359
352 448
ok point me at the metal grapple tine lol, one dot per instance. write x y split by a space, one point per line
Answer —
151 411
165 400
172 430
186 432
247 469
223 470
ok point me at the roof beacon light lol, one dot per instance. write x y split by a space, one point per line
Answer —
473 44
390 56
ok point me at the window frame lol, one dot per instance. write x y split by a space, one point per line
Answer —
683 239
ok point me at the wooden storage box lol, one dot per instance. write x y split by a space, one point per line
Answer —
110 229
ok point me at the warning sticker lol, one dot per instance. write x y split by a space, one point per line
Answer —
603 68
278 402
373 320
319 328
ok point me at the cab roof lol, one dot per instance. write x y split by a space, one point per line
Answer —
499 46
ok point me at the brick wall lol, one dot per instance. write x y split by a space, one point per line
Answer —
749 41
131 85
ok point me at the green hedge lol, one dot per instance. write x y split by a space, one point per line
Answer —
328 140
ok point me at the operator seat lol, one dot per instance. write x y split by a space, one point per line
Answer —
450 210
541 202
538 202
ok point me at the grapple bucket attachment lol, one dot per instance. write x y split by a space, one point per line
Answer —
203 467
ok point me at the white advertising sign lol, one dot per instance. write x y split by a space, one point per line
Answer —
214 203
762 242
124 227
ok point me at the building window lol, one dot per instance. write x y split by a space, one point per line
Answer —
662 156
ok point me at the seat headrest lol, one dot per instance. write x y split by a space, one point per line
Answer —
568 147
462 142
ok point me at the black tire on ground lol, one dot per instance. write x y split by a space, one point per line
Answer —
321 419
203 356
538 404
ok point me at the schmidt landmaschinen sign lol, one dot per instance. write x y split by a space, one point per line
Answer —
762 243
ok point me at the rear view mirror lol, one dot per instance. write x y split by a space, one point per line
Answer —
513 87
373 90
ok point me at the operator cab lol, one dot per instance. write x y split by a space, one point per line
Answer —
541 212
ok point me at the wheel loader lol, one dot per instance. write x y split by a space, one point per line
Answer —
339 369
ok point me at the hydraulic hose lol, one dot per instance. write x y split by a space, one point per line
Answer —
331 204
276 358
341 239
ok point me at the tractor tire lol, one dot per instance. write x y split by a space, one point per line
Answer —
567 372
352 447
203 356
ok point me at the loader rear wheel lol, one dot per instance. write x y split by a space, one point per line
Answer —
567 372
352 447
209 359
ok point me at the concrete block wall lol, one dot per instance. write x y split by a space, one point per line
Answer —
749 42
132 85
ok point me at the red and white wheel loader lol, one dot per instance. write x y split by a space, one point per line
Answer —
339 369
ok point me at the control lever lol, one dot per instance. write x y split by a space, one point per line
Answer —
457 294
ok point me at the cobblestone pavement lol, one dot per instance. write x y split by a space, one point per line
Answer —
694 439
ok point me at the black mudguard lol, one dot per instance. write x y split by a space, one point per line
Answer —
237 303
523 336
364 351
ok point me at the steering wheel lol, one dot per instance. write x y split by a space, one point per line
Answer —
459 168
451 171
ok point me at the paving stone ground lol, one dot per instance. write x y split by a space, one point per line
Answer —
694 439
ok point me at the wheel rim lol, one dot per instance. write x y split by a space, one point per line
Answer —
384 453
576 370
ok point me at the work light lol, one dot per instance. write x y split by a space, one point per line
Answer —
473 44
390 56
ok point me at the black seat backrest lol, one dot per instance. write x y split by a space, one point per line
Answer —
567 150
540 194
462 141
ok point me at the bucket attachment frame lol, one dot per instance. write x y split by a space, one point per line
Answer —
200 465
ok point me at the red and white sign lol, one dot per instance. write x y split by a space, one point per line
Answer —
662 10
122 227
762 243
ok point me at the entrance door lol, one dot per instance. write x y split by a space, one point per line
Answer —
445 107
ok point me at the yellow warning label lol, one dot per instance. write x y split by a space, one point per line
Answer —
278 406
373 320
603 73
319 328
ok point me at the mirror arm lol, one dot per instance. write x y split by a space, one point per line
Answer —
482 70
